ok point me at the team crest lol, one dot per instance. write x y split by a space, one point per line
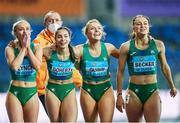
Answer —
152 52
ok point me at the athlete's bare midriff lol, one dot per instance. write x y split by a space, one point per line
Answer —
96 83
23 83
143 79
60 81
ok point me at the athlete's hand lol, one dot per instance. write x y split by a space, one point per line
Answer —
26 40
120 103
173 92
53 47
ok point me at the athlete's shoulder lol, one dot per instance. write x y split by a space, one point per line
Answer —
12 44
79 46
159 43
125 44
79 50
108 44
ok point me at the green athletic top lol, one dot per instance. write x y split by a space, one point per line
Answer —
59 69
142 62
95 68
26 72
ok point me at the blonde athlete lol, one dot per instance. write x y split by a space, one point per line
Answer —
142 53
23 58
96 95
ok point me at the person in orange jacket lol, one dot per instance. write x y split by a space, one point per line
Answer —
46 38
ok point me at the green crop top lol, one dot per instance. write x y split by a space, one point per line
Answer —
142 62
26 72
95 68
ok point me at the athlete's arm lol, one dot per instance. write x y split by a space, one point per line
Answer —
78 51
14 62
112 50
120 75
165 67
35 58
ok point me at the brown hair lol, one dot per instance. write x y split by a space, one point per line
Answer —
71 50
132 35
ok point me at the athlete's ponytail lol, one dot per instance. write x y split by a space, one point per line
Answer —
72 54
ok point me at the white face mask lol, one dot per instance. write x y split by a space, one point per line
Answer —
53 27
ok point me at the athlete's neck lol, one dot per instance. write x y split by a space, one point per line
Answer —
62 51
95 45
142 40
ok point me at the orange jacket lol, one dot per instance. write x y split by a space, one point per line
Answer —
77 78
45 39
